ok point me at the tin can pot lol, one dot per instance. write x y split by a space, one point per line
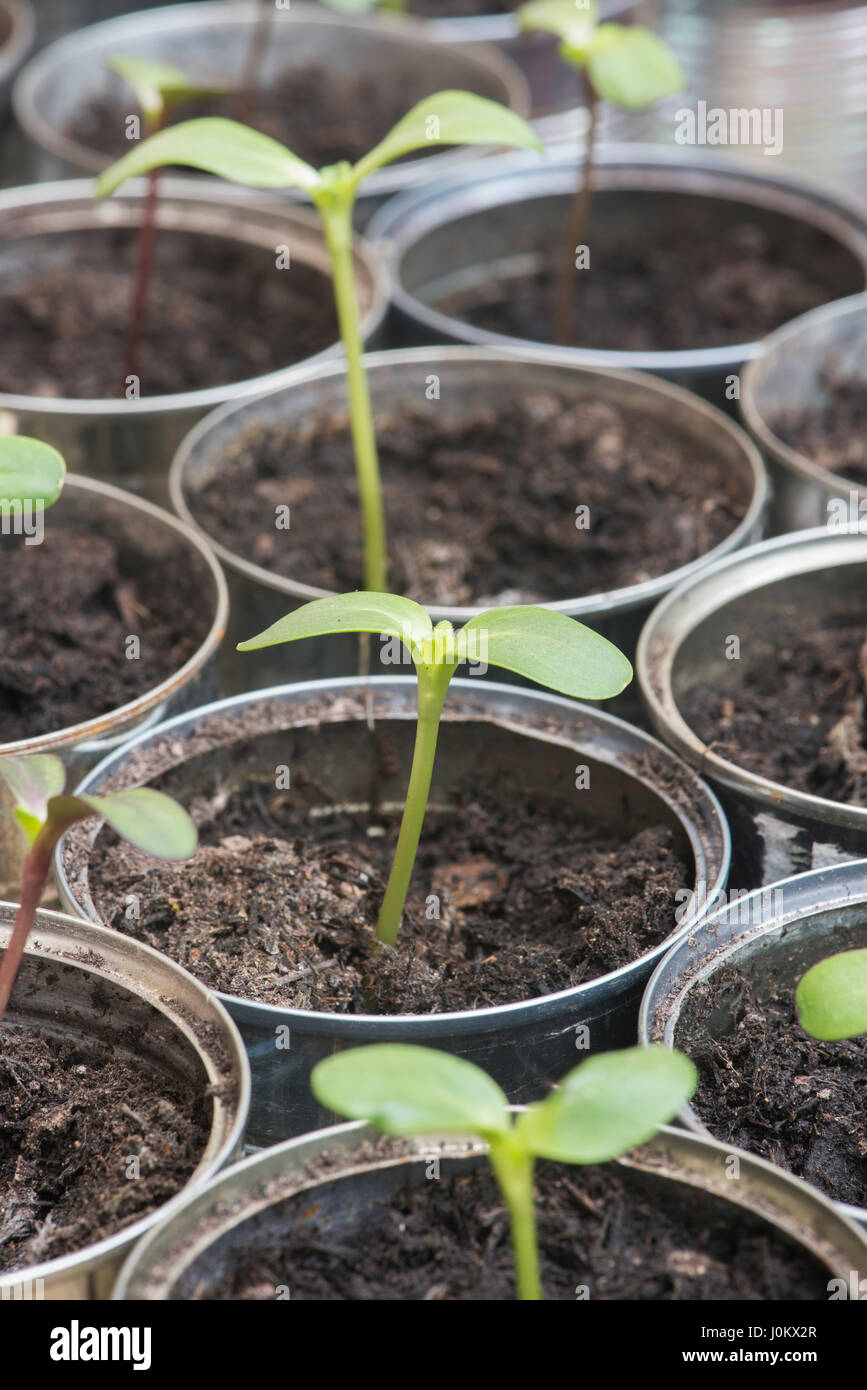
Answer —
210 41
486 727
81 981
772 936
140 531
131 442
466 377
494 224
796 371
272 1193
781 584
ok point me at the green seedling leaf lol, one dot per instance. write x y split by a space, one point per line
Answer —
574 24
411 1090
449 118
218 146
30 471
158 86
549 648
149 819
359 612
629 66
832 997
608 1105
33 781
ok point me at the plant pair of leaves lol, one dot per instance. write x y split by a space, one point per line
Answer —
625 64
537 643
30 471
604 1107
232 151
148 819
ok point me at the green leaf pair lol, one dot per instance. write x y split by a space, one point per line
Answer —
606 1106
625 64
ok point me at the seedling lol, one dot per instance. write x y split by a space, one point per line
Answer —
534 642
629 66
31 473
159 88
234 152
149 819
253 65
604 1108
832 997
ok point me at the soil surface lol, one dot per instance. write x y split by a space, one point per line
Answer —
798 717
770 1089
320 114
833 435
280 902
449 1240
481 509
698 285
218 312
72 1115
69 606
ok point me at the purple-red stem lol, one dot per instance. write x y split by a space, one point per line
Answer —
146 241
245 104
34 876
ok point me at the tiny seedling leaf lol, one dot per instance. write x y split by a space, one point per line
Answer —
30 471
832 997
608 1105
158 86
411 1090
449 118
573 24
149 819
549 648
358 612
33 779
631 67
215 146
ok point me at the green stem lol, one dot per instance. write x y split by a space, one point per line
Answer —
433 683
514 1173
337 223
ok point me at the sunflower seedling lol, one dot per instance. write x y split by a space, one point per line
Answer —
626 65
832 997
159 89
235 152
605 1107
148 819
544 646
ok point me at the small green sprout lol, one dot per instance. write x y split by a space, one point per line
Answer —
149 819
602 1109
235 152
537 643
31 473
832 997
368 6
627 65
159 88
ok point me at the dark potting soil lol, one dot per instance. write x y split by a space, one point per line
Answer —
833 435
481 509
279 903
322 115
798 714
449 1240
769 1088
69 606
218 311
699 284
72 1115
